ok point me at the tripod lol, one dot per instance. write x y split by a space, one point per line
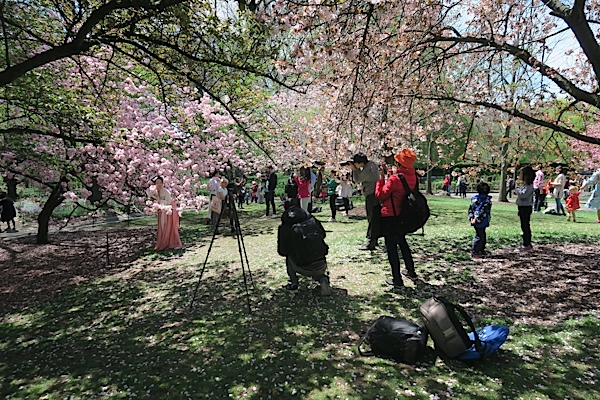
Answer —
234 224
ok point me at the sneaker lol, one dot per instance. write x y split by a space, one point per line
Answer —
367 246
476 256
325 288
291 287
411 274
332 220
391 282
525 248
265 216
273 215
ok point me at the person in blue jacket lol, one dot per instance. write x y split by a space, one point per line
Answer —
479 214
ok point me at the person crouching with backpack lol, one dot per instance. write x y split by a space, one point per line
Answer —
300 240
391 194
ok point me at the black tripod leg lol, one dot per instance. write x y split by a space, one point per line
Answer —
206 260
240 241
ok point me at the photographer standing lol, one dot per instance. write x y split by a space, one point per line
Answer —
366 173
270 185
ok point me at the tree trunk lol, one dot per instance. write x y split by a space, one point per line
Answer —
503 165
429 163
53 201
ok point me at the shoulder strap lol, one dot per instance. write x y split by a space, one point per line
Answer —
462 311
365 353
404 183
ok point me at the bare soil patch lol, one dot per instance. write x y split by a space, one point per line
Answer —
31 273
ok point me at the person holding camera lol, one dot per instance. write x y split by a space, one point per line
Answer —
391 193
366 173
300 239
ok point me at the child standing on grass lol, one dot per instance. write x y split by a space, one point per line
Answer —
525 191
332 185
344 190
480 212
573 202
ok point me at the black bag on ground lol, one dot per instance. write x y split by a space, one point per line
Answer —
446 329
415 210
394 338
307 244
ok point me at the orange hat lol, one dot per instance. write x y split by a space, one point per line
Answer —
406 158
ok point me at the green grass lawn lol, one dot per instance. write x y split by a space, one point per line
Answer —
132 334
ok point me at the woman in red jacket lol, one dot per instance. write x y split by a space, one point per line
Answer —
391 194
303 183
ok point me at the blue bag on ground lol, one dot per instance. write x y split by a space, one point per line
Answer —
491 338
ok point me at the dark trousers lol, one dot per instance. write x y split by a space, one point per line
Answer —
370 201
317 273
538 199
270 200
479 241
346 204
332 205
525 217
392 241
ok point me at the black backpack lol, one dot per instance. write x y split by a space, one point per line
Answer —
307 244
415 211
394 338
291 189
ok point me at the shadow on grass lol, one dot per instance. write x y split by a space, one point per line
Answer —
138 337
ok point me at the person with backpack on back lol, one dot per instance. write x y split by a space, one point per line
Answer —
300 239
479 214
391 194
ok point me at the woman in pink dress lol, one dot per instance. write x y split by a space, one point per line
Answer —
168 218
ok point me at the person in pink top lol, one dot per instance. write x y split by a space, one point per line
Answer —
538 183
391 194
303 183
168 218
573 202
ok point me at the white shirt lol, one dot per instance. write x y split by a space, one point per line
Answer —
214 184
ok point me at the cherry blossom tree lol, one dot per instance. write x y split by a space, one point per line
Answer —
381 56
132 136
588 155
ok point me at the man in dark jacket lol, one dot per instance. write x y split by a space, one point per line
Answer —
300 241
270 185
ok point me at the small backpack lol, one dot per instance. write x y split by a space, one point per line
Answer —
307 244
394 338
415 210
446 330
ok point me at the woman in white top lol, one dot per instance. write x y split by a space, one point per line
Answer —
558 186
